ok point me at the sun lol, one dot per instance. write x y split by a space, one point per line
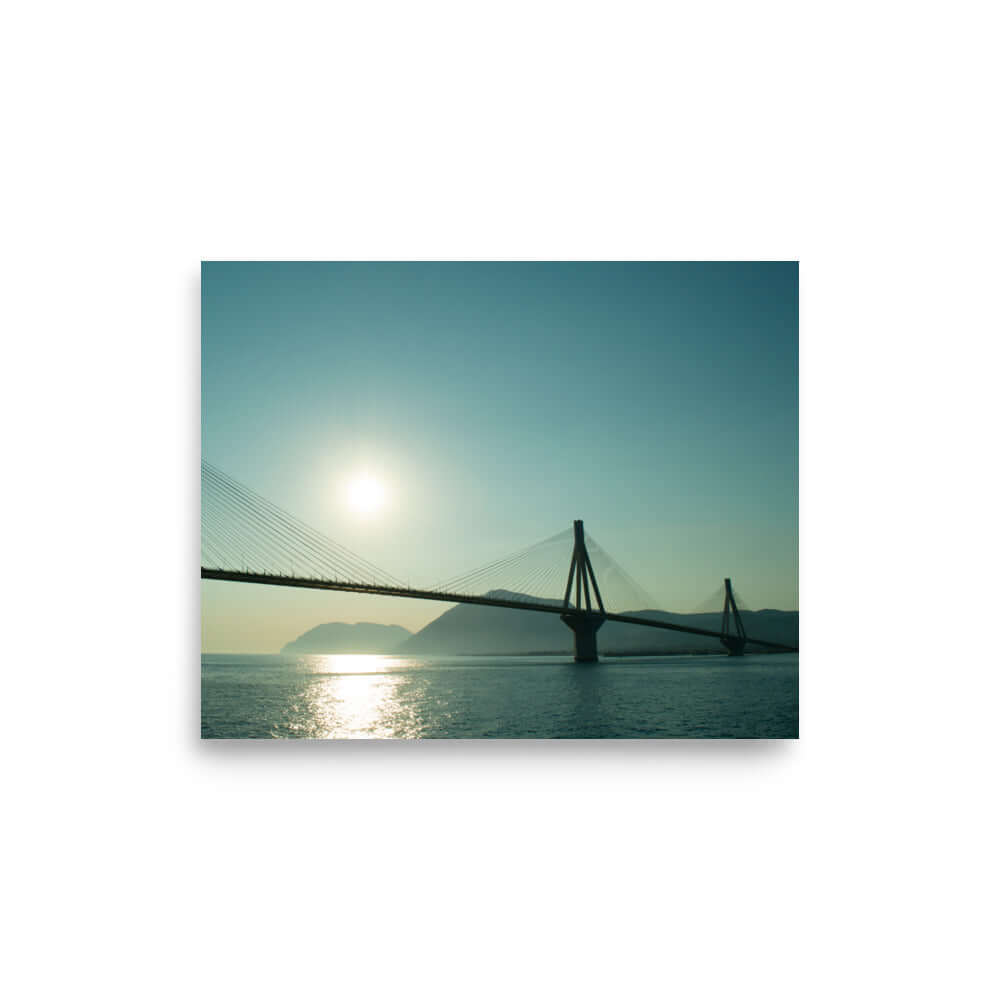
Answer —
365 495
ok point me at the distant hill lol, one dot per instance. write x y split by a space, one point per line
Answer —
339 637
475 629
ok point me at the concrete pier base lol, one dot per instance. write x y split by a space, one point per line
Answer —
584 625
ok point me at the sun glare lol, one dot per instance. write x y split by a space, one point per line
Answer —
366 495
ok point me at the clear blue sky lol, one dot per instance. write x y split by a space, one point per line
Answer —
496 402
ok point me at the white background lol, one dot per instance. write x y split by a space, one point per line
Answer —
858 138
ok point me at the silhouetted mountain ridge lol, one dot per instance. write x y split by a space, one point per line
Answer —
478 629
474 629
513 595
340 637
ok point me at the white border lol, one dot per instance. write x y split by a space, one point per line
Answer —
855 862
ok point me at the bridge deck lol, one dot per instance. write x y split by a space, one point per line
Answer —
449 598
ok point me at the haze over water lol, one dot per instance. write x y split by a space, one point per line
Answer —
389 697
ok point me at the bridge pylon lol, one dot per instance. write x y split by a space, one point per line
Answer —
583 622
735 638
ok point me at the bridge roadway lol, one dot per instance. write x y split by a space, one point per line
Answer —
438 595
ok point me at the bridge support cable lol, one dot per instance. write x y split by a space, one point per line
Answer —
246 536
499 572
214 530
235 511
538 581
214 557
262 540
231 547
240 525
541 582
278 538
524 574
224 548
277 534
619 589
217 540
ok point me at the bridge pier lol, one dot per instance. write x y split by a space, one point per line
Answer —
584 625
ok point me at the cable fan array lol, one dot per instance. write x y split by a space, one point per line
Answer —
243 532
532 574
714 602
539 572
620 592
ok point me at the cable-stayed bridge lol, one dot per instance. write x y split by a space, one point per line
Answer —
247 539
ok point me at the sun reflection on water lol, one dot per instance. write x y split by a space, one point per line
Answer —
357 696
357 663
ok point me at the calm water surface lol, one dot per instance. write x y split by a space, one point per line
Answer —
387 697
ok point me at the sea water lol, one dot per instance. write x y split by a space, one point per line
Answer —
390 697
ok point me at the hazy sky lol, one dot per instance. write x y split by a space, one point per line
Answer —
497 402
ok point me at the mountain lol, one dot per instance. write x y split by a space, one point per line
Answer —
476 629
339 637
